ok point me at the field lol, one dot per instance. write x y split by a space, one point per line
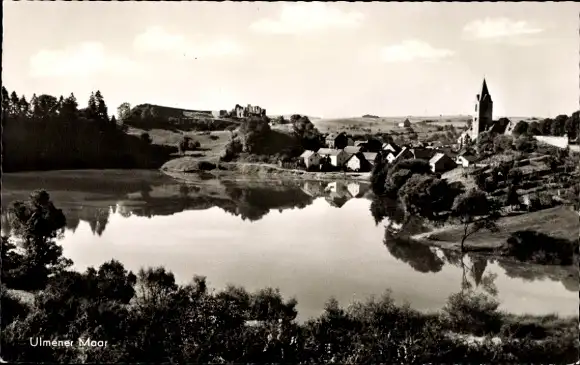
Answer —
387 124
561 222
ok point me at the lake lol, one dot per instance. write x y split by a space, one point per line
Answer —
312 240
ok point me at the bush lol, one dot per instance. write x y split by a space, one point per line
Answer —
187 144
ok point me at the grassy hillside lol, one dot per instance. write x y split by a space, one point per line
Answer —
387 124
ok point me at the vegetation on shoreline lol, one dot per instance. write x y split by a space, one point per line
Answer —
149 318
50 133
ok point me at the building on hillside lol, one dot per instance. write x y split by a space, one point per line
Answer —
466 159
483 117
392 147
337 157
248 111
440 163
357 163
372 158
405 124
391 157
310 158
334 139
405 154
422 153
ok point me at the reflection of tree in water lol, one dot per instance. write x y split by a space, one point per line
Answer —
418 256
72 220
98 220
382 208
253 203
472 271
567 275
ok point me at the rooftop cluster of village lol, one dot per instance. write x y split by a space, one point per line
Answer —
344 154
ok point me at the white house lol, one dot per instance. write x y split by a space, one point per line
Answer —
465 159
356 162
310 158
337 157
391 147
391 157
440 162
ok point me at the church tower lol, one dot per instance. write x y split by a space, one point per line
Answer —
483 118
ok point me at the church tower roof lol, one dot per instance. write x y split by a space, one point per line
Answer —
485 95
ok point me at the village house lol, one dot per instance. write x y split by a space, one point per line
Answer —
405 154
422 153
441 163
466 159
405 124
310 158
391 157
357 162
337 157
372 158
331 139
350 141
391 147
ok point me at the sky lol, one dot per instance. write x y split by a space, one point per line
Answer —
320 59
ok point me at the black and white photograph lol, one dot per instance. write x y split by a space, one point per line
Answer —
206 182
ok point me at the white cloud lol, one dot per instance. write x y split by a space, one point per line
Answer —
87 59
412 50
489 28
301 18
157 39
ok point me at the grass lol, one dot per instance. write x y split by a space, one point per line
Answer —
561 222
386 124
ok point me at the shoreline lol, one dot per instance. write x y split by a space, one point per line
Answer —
183 167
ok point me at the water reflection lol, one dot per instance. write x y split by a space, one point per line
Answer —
325 243
249 200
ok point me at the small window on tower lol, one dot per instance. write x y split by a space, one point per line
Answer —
475 107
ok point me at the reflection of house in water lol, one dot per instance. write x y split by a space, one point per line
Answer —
314 189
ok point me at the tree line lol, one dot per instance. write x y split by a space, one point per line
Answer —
148 317
49 133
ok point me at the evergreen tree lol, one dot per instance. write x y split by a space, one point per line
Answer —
13 109
69 107
24 107
93 107
102 112
5 100
34 109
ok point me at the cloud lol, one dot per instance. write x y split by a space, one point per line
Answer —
301 18
157 39
87 59
413 50
489 28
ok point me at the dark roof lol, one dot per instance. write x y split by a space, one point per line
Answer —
485 95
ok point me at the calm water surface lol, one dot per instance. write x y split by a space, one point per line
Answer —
311 240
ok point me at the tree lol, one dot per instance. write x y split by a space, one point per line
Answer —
572 125
124 112
534 129
475 212
399 173
558 125
37 223
485 143
306 133
520 128
427 196
69 107
502 143
546 126
14 105
102 110
525 144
